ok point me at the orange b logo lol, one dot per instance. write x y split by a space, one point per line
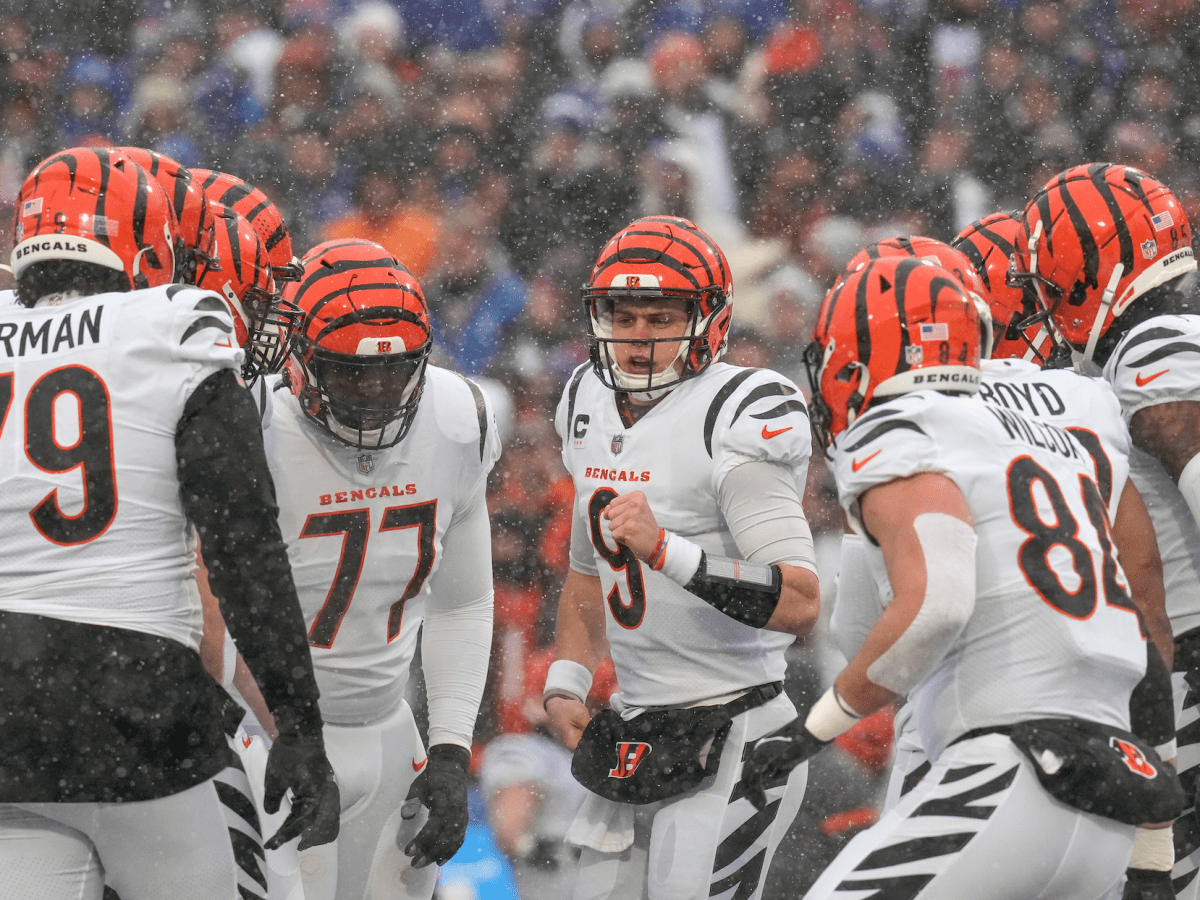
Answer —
633 281
1132 757
385 346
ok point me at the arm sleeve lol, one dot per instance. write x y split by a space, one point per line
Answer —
228 494
456 639
763 510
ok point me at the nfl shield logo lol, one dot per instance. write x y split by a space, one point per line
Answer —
618 442
1150 249
914 355
366 462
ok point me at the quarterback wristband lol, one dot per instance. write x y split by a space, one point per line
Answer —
567 678
830 716
745 592
676 557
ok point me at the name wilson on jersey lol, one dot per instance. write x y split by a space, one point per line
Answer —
61 331
368 494
1039 434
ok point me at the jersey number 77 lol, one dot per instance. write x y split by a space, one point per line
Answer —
355 525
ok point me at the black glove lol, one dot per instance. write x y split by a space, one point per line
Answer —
298 761
773 758
442 789
1145 884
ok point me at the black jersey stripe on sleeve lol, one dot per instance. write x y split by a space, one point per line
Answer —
205 322
714 408
573 391
1161 353
788 406
480 413
774 389
1150 334
882 429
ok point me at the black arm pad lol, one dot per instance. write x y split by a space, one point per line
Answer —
1151 708
745 592
228 494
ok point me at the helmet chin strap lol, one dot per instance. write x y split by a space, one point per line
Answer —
1106 301
631 383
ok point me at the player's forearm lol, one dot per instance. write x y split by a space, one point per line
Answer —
455 648
579 634
799 603
1137 545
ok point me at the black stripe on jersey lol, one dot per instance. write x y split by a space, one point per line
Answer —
1104 189
211 301
1178 884
1150 334
1160 353
963 772
573 392
174 289
480 413
746 878
913 778
247 851
958 804
204 322
714 408
915 850
774 389
883 429
239 803
1104 474
879 412
743 837
902 887
788 406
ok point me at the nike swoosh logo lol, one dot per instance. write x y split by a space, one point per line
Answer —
418 766
858 464
768 434
1142 382
247 741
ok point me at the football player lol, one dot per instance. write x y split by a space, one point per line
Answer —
995 541
127 433
691 561
381 461
1106 249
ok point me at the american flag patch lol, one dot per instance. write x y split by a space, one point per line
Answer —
1162 220
935 331
31 207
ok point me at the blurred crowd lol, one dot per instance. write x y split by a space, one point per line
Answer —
493 145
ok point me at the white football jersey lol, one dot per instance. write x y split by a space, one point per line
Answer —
668 646
91 394
365 531
1084 406
1053 632
1158 362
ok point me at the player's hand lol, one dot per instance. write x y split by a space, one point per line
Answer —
442 789
1143 884
773 758
299 763
632 523
568 719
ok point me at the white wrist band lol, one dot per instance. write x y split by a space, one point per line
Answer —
566 675
681 559
830 716
1153 850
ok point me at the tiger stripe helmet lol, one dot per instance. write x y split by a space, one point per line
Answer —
936 253
363 343
893 325
241 273
96 206
189 204
989 244
265 217
660 258
1094 239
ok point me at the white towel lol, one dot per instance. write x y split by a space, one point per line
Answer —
602 825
